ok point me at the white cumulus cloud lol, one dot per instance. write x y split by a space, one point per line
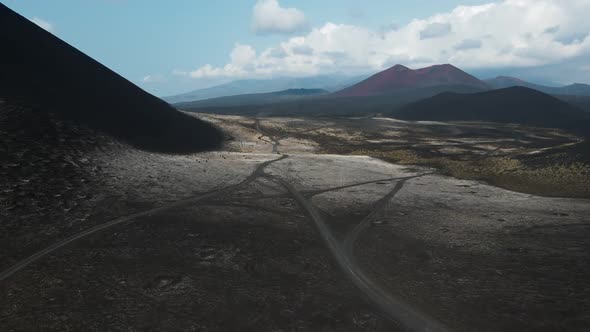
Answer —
43 24
242 61
269 17
508 33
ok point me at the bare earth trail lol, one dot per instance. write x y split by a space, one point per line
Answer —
401 313
352 236
178 204
436 209
406 317
274 141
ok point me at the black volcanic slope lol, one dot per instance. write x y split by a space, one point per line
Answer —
41 72
511 105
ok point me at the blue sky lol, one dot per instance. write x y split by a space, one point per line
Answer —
169 47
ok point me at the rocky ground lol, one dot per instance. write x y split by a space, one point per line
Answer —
539 161
248 239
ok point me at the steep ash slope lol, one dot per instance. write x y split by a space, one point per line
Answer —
41 71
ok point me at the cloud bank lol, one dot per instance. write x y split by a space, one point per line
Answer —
508 33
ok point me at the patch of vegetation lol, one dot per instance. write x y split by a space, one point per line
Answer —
549 178
539 161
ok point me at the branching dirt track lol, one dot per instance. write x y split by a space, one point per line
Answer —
375 210
187 201
400 313
284 184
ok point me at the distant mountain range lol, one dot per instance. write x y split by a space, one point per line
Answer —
509 105
255 98
577 89
329 83
42 72
396 86
399 79
440 92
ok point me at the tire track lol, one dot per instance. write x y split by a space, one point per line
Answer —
259 171
377 207
323 191
398 311
274 141
311 193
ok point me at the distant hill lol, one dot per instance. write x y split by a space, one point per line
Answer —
389 90
400 79
324 82
254 99
577 89
502 82
300 92
582 102
40 71
511 105
318 105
